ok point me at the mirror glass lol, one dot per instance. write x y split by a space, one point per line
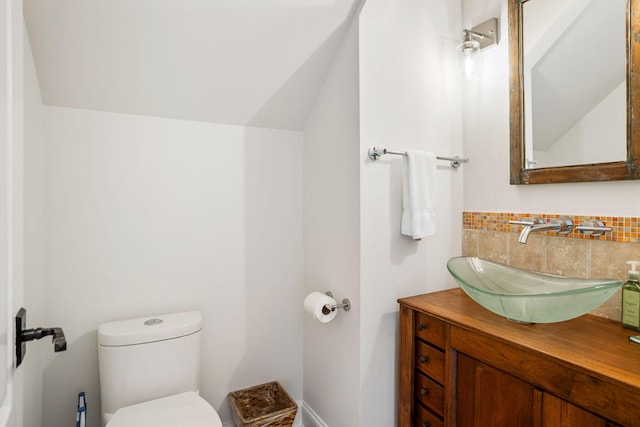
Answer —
574 57
573 84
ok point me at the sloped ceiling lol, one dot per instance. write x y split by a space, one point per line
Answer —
245 62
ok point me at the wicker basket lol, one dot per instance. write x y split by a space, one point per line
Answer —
265 405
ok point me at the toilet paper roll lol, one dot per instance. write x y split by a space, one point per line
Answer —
316 304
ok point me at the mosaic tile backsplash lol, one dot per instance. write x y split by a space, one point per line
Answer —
489 235
625 229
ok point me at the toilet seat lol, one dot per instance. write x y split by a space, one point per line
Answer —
179 410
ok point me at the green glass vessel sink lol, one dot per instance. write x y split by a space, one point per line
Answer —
526 296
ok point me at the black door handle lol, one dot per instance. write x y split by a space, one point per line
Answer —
24 335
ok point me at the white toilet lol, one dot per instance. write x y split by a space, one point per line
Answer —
150 372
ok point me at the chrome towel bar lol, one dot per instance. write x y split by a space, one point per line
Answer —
375 153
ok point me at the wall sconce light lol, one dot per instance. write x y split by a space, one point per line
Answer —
476 39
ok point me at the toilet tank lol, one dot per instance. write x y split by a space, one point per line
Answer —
148 358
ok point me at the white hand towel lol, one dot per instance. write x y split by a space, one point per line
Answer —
418 194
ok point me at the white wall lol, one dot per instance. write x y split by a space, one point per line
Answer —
391 85
148 215
332 239
486 142
34 218
409 99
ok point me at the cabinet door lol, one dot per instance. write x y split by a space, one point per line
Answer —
489 397
560 413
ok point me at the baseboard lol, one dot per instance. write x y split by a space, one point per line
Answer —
309 416
306 417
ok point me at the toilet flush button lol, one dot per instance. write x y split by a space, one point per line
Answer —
152 322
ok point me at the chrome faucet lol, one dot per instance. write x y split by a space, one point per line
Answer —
532 225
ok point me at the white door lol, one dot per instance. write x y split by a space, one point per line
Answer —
5 233
10 202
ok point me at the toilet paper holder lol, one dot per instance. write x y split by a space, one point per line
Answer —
346 304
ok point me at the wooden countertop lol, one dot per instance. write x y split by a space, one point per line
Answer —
594 344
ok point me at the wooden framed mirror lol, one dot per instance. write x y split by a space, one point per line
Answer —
522 169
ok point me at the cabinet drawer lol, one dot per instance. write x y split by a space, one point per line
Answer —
430 394
430 329
430 361
426 418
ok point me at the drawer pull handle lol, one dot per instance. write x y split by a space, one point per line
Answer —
422 326
425 424
424 391
424 359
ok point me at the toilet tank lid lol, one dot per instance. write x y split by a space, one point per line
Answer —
149 329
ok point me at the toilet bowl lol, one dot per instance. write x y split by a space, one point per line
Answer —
181 410
150 372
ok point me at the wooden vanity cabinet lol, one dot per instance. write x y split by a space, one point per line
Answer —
560 413
461 365
487 396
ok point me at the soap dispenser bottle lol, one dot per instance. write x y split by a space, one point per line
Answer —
631 299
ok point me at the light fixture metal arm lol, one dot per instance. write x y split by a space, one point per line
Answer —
475 34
